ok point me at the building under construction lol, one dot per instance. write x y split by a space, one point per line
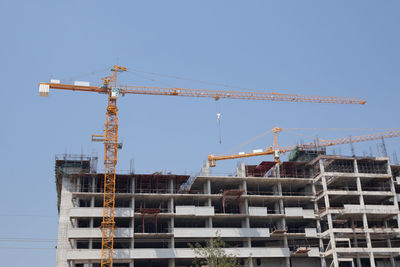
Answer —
312 210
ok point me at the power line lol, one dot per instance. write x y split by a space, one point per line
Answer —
28 248
27 241
27 215
193 80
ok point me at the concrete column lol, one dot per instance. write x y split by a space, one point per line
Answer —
282 211
208 187
389 244
276 207
171 227
249 262
393 190
209 202
319 231
241 170
246 206
246 223
364 216
171 263
78 184
133 180
171 205
205 170
172 222
356 244
93 184
92 202
133 224
247 242
209 223
171 186
329 216
75 200
64 222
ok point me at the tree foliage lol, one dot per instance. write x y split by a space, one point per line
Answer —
213 254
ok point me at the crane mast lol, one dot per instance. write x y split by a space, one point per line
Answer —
111 146
110 162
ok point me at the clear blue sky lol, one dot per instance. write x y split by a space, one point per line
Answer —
344 48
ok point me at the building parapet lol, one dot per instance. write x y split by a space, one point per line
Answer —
98 212
96 233
169 253
299 212
193 210
258 211
371 209
223 232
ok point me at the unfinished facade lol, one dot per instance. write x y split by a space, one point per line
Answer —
314 210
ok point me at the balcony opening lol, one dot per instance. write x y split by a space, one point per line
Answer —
151 243
152 183
141 206
339 165
96 244
82 244
227 223
189 223
97 222
122 202
151 224
259 188
121 243
260 223
151 263
83 222
184 243
122 222
372 166
98 202
84 202
225 185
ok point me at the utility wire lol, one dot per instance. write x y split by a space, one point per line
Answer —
194 80
29 215
79 76
17 239
147 78
28 248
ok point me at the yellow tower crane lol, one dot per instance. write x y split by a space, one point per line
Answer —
110 137
276 151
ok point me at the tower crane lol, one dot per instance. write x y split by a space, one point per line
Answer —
110 137
276 151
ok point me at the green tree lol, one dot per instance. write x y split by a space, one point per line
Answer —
213 254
